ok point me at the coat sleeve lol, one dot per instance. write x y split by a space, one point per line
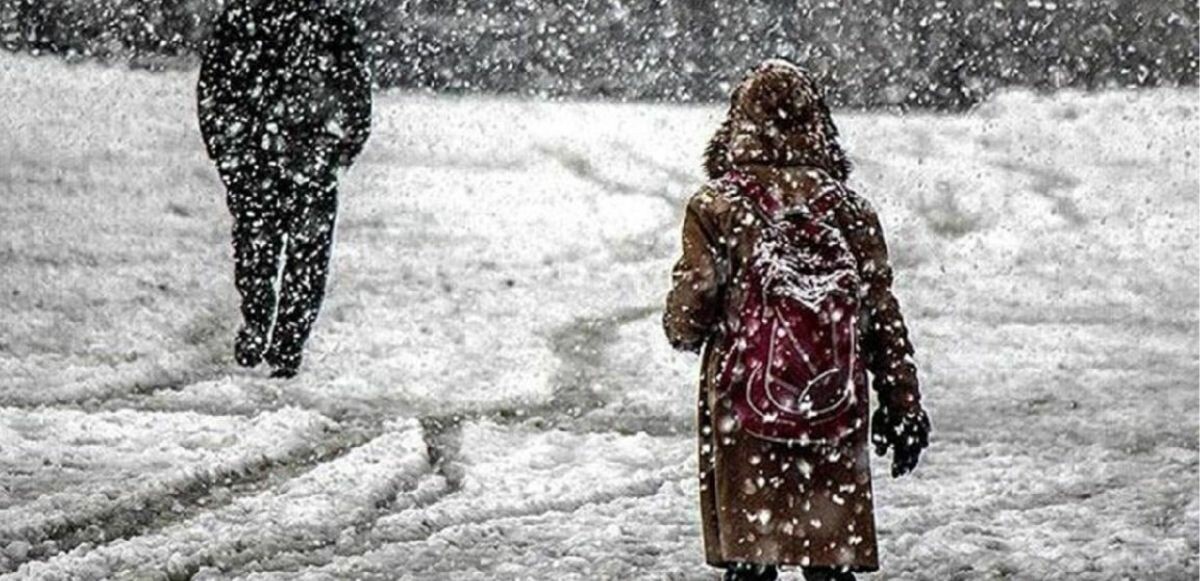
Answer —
694 303
353 84
221 110
886 348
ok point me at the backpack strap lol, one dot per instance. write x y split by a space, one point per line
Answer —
761 202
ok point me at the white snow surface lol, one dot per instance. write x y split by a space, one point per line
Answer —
487 393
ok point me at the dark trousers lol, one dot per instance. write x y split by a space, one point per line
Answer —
754 572
283 224
826 574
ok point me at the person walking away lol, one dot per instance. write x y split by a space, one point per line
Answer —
284 101
784 284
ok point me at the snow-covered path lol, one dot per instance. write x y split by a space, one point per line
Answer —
488 394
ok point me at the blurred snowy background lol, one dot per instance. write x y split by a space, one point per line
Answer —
945 54
488 395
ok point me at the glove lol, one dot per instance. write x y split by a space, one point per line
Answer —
907 434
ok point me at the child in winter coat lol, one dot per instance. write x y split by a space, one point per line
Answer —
780 483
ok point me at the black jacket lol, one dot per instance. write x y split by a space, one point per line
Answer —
284 77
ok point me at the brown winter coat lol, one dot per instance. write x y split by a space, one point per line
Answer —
761 501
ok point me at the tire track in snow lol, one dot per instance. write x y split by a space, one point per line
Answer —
630 424
582 168
143 512
420 524
680 177
204 342
307 512
1048 183
651 244
118 395
410 527
580 346
355 540
208 357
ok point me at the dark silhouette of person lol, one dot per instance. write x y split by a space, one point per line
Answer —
284 101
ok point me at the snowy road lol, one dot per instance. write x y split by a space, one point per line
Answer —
488 394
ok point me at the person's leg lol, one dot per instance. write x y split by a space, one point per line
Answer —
257 240
309 246
826 574
751 572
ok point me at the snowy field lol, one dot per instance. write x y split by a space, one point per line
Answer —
488 394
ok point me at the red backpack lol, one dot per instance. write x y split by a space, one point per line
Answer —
791 367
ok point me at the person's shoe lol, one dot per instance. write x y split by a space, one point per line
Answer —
284 372
751 572
249 346
282 366
826 574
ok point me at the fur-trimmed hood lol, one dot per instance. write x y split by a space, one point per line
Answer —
777 116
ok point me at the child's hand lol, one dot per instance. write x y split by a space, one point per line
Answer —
907 434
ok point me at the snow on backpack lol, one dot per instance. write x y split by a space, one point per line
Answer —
791 348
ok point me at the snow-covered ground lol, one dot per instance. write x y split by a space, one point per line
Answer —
488 395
